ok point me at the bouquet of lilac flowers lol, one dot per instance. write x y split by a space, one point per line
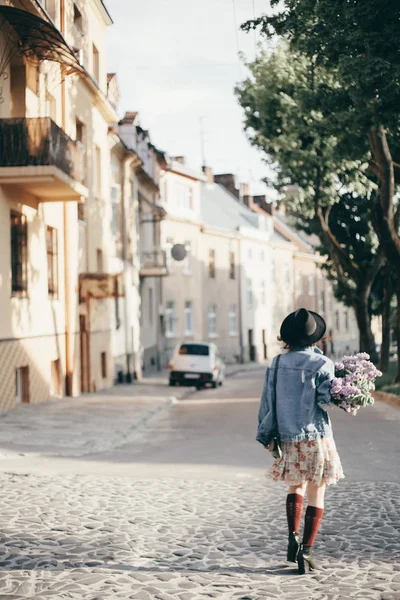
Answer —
354 381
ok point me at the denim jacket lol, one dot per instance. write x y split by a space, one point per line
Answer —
303 394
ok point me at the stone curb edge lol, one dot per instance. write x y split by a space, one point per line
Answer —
391 399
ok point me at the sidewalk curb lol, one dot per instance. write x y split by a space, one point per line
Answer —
243 369
391 399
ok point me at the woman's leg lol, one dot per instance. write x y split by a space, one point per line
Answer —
313 518
314 513
316 495
294 507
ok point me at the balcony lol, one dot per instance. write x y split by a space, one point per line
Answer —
100 286
153 264
39 158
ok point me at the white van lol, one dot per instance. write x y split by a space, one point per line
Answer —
196 364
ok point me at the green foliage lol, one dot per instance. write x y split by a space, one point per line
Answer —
350 223
298 115
358 39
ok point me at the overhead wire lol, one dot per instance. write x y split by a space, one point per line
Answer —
236 27
255 32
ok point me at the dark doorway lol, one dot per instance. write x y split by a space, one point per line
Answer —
264 344
252 349
85 361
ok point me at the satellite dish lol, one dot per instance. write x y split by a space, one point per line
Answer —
178 252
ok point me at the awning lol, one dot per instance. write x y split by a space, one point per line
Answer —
35 38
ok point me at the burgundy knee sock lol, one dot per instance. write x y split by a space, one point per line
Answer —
294 510
311 525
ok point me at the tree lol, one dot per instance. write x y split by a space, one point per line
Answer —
358 41
289 102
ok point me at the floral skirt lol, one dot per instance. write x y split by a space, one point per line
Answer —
315 461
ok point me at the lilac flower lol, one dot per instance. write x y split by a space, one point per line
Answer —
354 382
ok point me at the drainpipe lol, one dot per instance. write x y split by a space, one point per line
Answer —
241 356
126 162
68 340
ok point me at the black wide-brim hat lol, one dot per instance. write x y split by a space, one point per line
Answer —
303 328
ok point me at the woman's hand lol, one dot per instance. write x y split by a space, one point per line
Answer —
268 447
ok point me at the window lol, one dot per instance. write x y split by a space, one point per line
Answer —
322 302
99 260
250 253
232 317
184 197
194 350
97 170
188 318
263 295
80 131
311 285
262 256
150 307
22 385
249 292
52 261
337 320
187 260
212 321
80 136
346 320
170 320
78 19
103 361
96 63
211 263
19 254
299 283
232 269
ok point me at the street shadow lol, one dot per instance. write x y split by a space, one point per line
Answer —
246 538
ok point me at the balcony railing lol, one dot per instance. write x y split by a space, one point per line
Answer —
153 264
40 142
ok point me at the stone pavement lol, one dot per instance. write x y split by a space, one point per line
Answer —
124 496
80 426
90 538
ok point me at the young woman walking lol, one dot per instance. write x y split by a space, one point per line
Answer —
293 407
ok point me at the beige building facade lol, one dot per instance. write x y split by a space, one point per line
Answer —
182 289
152 260
59 275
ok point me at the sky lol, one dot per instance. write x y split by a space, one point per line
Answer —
177 64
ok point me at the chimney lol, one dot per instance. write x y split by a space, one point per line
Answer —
208 172
245 196
179 159
244 189
282 208
263 203
129 118
228 181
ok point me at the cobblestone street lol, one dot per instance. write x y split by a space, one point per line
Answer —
183 511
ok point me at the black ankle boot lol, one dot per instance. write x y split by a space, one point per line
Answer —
306 562
293 547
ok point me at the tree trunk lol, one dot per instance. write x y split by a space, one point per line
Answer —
384 219
367 340
386 316
397 380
